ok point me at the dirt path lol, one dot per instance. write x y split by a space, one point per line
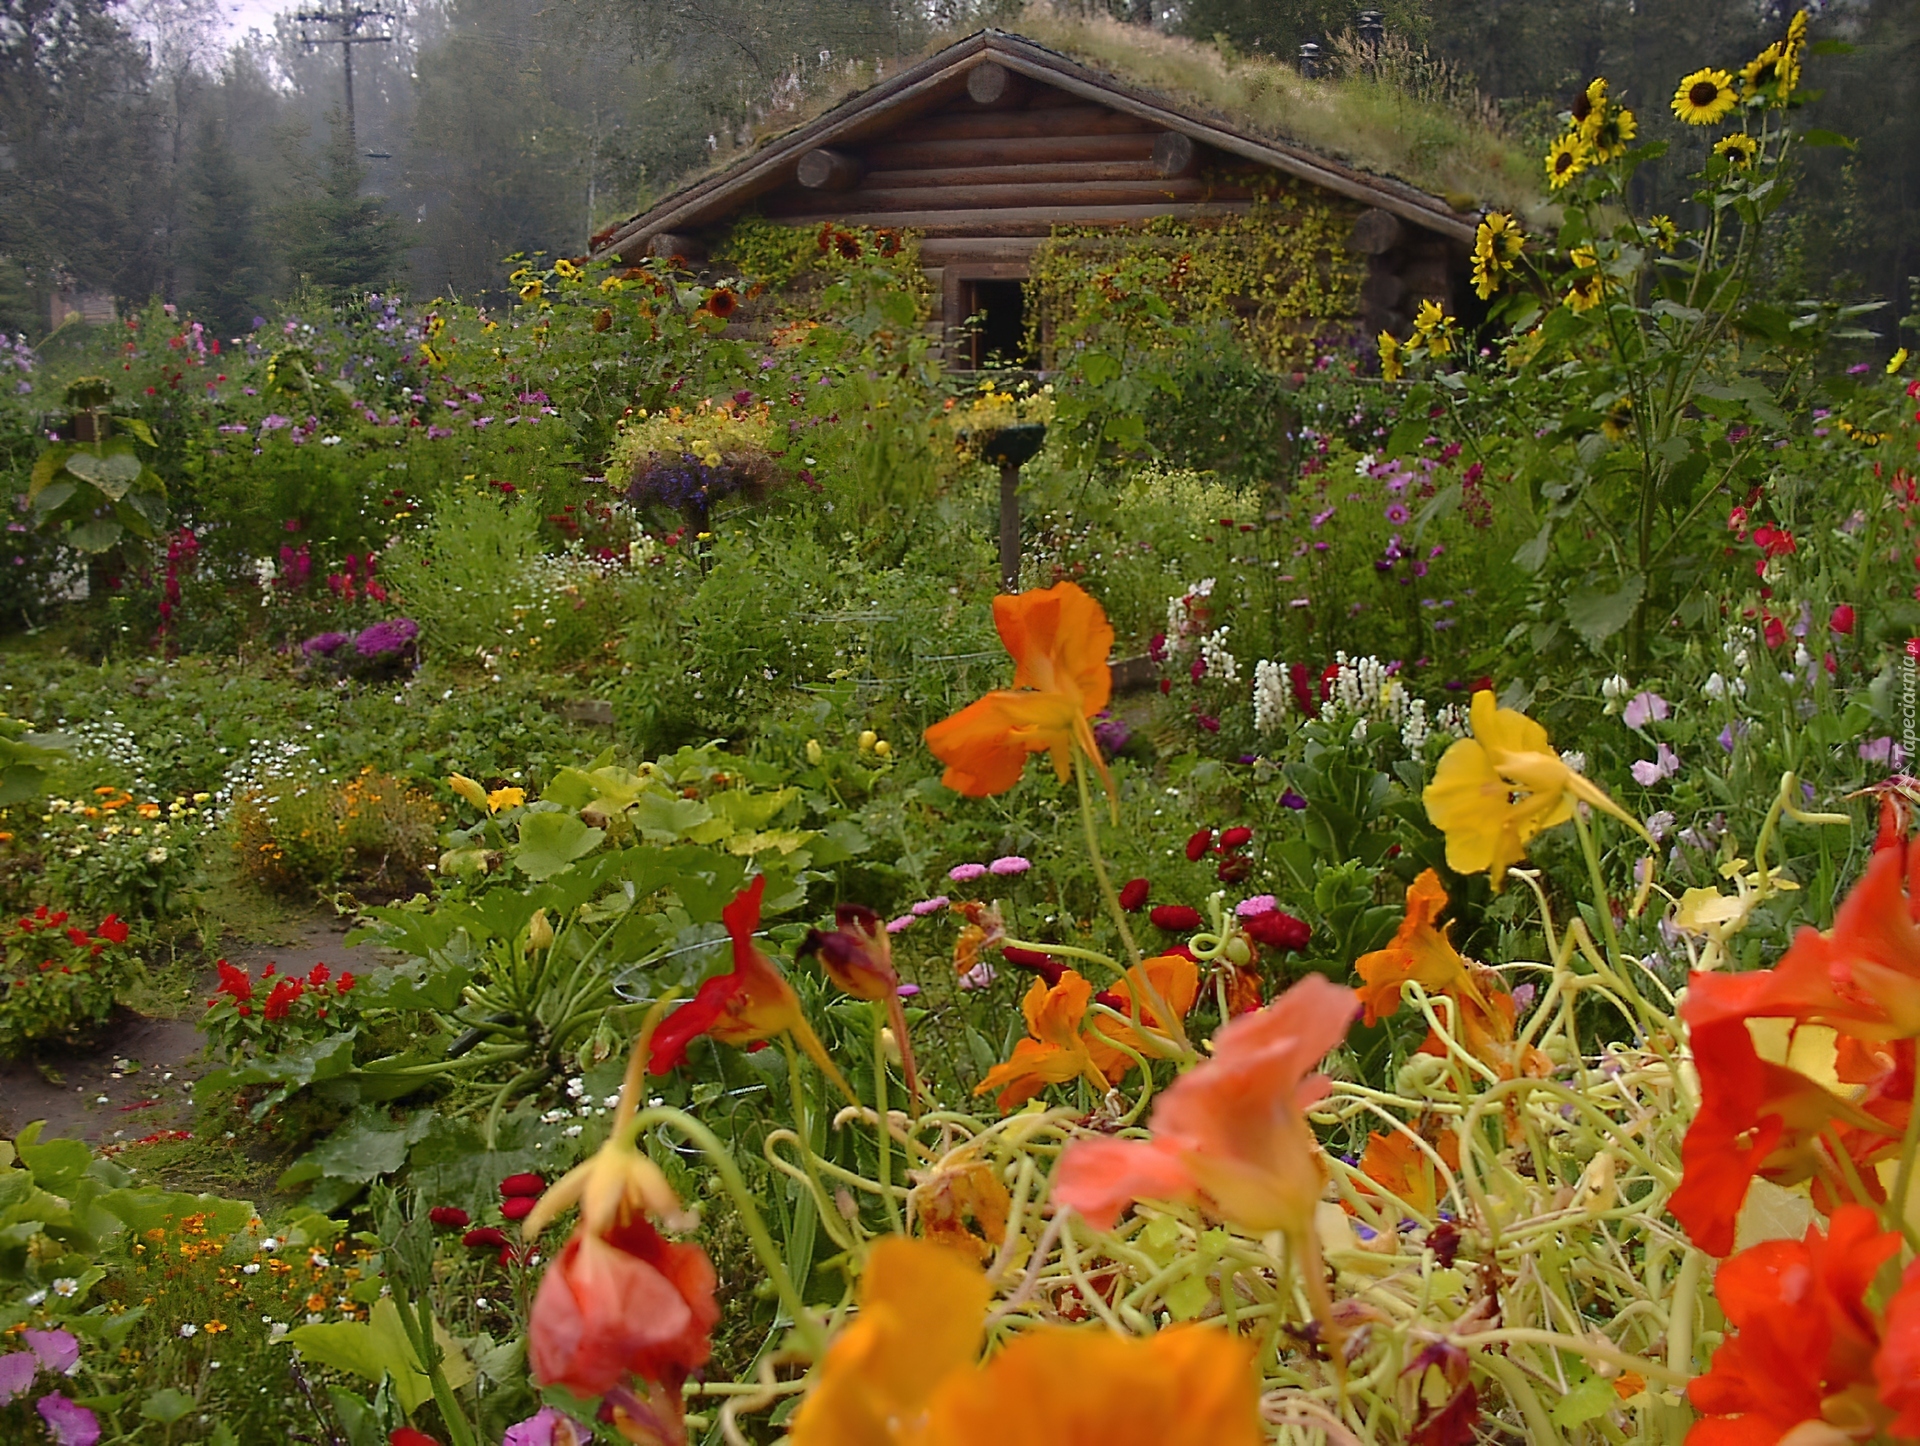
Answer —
137 1079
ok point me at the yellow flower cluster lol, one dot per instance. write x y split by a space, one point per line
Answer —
1599 129
1497 246
709 432
1434 334
1770 79
1589 286
992 408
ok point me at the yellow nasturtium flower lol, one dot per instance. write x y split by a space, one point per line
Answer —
1495 792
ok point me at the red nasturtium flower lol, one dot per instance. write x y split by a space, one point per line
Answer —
1059 638
858 956
622 1309
1808 1359
748 1005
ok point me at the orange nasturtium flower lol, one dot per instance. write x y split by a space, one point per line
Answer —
904 1373
1406 1172
1808 1359
749 1004
1055 1050
961 1202
1421 953
1059 638
1170 977
1230 1135
1495 791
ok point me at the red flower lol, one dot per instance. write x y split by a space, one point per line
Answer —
525 1183
283 998
1842 620
236 982
448 1217
1133 895
748 1005
1234 838
112 929
1175 918
1803 1345
1301 682
486 1237
345 983
1198 844
407 1436
1897 1366
319 975
1034 962
1233 868
1774 631
517 1207
1279 930
1774 541
79 938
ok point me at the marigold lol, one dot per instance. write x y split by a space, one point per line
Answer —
1059 638
1494 792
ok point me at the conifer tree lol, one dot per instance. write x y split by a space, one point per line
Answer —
336 238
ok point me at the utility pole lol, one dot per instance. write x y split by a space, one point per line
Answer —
345 23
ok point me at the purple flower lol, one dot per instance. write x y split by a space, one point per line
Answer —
1883 751
68 1424
1257 905
978 977
1731 734
551 1427
386 639
905 921
273 422
325 645
966 873
1523 995
907 991
930 906
1319 518
1292 800
17 1371
1009 864
1644 708
57 1350
1397 513
1112 735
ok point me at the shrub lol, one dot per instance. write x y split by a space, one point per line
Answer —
61 979
373 829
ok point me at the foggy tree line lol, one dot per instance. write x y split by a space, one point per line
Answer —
144 153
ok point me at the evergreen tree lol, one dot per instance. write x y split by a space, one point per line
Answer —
223 237
335 237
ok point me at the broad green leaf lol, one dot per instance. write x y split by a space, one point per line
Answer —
45 468
1532 554
661 819
145 1209
51 499
549 842
166 1405
1591 1399
1597 615
113 472
96 535
1818 137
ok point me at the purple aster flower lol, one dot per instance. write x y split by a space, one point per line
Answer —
967 873
387 638
1397 513
1009 864
930 906
1257 905
1292 800
905 921
325 645
68 1424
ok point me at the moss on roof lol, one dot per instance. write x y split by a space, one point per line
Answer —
1443 148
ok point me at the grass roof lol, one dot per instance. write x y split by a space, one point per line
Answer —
1414 120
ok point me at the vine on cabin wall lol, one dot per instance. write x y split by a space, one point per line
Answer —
781 259
1280 273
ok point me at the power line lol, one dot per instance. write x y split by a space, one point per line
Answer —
346 22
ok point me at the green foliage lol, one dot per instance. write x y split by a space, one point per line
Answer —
458 575
61 978
336 239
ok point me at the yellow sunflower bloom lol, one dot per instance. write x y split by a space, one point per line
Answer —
1763 70
1432 328
1665 234
1618 420
1393 364
1567 158
533 290
1792 52
1704 97
1613 135
565 269
1739 149
1589 287
1590 107
1495 792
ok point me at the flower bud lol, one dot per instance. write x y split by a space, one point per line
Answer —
815 753
539 931
867 739
883 749
471 791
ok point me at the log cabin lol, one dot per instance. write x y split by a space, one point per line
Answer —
988 147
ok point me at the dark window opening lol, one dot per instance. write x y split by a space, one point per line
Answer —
997 311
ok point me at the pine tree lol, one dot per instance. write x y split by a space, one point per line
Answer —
336 238
224 240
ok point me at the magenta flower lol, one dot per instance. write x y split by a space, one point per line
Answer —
930 906
1009 864
17 1371
57 1350
1664 764
966 873
68 1424
550 1428
1258 904
905 921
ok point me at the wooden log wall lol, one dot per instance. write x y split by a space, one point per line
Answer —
1405 266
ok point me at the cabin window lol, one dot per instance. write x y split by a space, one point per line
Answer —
997 335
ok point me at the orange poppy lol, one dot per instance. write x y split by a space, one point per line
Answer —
1055 1050
1421 953
1231 1134
748 1005
1801 1360
1173 978
1059 638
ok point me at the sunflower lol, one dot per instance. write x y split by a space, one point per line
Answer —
1567 158
1590 106
1739 149
1666 235
1487 272
565 269
1619 418
1589 288
722 301
1763 70
1393 364
1497 244
1704 97
1432 328
1612 136
533 290
1792 51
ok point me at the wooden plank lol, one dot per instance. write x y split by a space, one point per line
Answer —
1036 221
1032 173
1008 151
967 250
987 198
1091 120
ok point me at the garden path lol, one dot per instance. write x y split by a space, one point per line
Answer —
136 1079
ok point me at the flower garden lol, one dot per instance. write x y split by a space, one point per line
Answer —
1402 929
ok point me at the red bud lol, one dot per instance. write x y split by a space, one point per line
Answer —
1199 844
1175 918
1133 895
